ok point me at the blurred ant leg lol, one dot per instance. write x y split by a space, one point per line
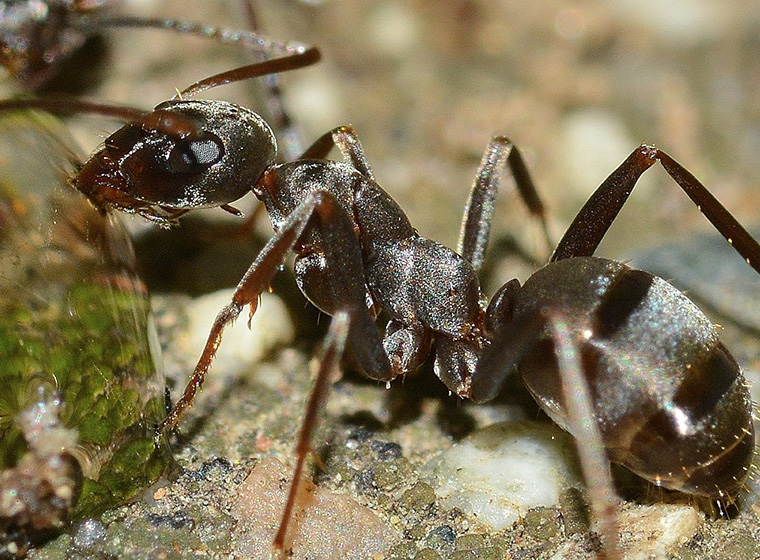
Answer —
508 244
594 219
344 266
501 154
511 343
292 142
127 114
347 141
251 39
588 439
333 347
261 44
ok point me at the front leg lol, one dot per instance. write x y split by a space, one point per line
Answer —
320 210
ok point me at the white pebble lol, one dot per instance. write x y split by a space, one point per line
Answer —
241 347
500 472
679 22
593 143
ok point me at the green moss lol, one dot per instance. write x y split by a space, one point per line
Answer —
74 321
107 379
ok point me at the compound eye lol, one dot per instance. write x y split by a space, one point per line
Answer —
194 156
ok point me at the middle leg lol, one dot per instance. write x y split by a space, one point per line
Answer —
500 154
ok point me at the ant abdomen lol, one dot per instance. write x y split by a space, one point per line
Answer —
184 155
715 456
671 402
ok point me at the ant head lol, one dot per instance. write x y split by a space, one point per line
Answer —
182 156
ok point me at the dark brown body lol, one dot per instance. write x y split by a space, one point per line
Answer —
671 402
143 169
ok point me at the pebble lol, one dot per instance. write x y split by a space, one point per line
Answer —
328 525
500 472
647 532
241 347
594 142
679 22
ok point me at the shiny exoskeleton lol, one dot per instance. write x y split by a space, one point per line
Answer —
670 400
667 399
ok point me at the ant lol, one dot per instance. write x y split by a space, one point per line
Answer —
37 37
592 338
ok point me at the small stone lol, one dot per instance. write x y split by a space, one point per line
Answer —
385 450
419 497
594 142
427 554
325 525
442 537
241 346
87 535
575 511
500 472
541 524
686 23
394 29
472 541
656 531
215 469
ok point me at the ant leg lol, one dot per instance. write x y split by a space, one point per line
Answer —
582 424
299 59
247 38
347 141
594 219
344 266
476 223
333 348
62 106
